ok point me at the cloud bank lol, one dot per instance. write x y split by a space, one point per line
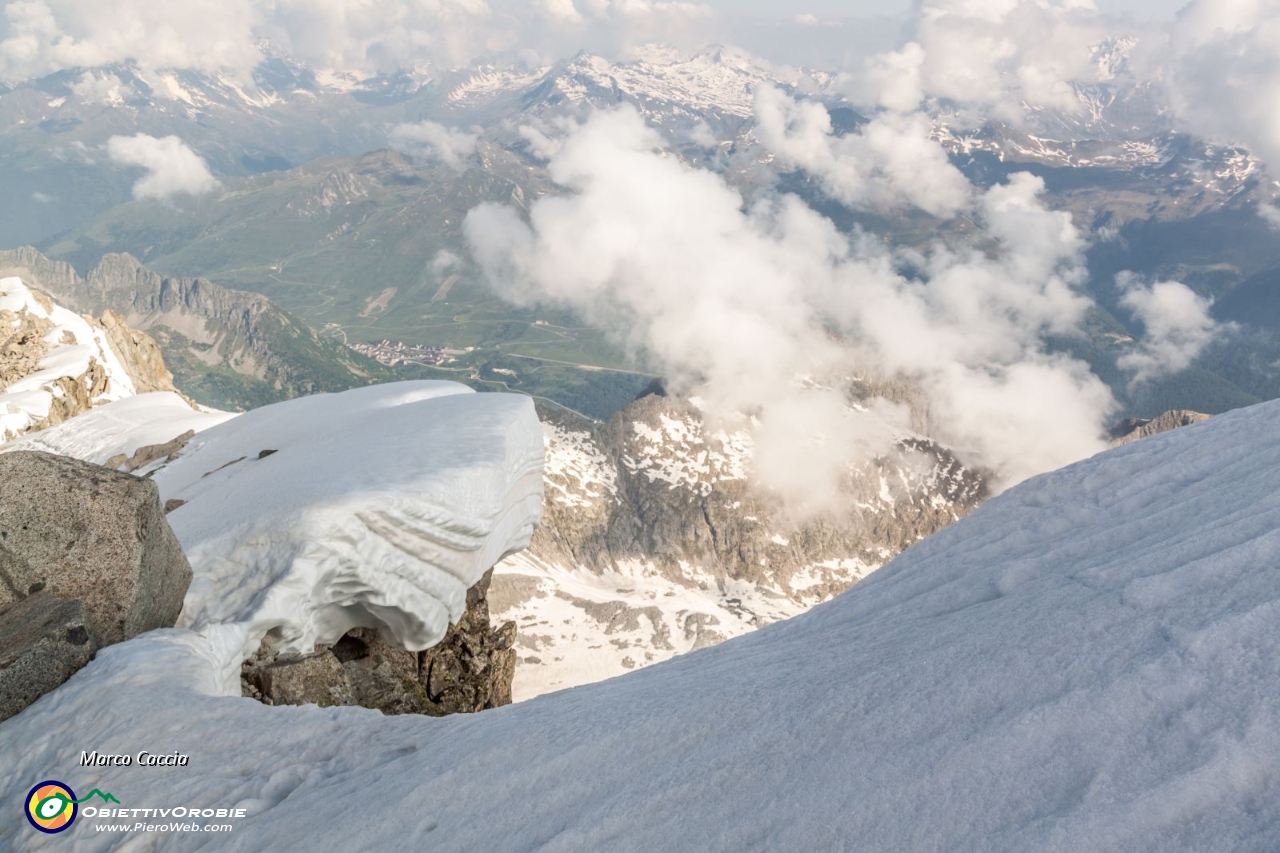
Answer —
1222 73
767 309
172 167
42 36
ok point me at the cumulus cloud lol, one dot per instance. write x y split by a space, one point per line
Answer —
433 141
995 54
735 302
172 167
1177 322
889 162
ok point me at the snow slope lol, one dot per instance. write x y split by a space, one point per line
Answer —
121 427
1088 662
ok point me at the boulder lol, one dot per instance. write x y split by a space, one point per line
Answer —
312 680
87 533
470 670
44 640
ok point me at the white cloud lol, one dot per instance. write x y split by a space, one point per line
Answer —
1270 214
887 163
433 141
101 88
444 261
172 167
40 36
736 301
1177 322
990 53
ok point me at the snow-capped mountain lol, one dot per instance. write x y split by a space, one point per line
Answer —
56 364
655 541
1090 660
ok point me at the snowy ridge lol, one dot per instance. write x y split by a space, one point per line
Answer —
121 428
488 81
75 351
717 80
1087 662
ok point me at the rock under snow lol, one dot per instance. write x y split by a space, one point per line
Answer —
1088 662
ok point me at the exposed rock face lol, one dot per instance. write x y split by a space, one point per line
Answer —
139 354
470 670
87 533
44 640
656 485
55 364
1137 428
656 541
204 329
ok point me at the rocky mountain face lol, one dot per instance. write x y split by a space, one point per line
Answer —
1134 429
55 364
656 541
228 348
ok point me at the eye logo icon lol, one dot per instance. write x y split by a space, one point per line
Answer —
51 807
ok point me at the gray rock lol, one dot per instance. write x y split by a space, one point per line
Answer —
722 523
313 680
88 533
44 640
470 670
1135 429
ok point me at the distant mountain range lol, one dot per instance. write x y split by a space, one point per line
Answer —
318 215
226 348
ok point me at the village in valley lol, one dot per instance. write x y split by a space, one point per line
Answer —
394 353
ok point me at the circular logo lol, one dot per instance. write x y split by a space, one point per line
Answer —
51 806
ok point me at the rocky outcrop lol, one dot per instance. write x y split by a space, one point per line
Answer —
138 353
470 670
657 485
55 364
87 533
44 640
205 331
1134 429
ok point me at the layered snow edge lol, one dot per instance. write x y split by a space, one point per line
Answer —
377 507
